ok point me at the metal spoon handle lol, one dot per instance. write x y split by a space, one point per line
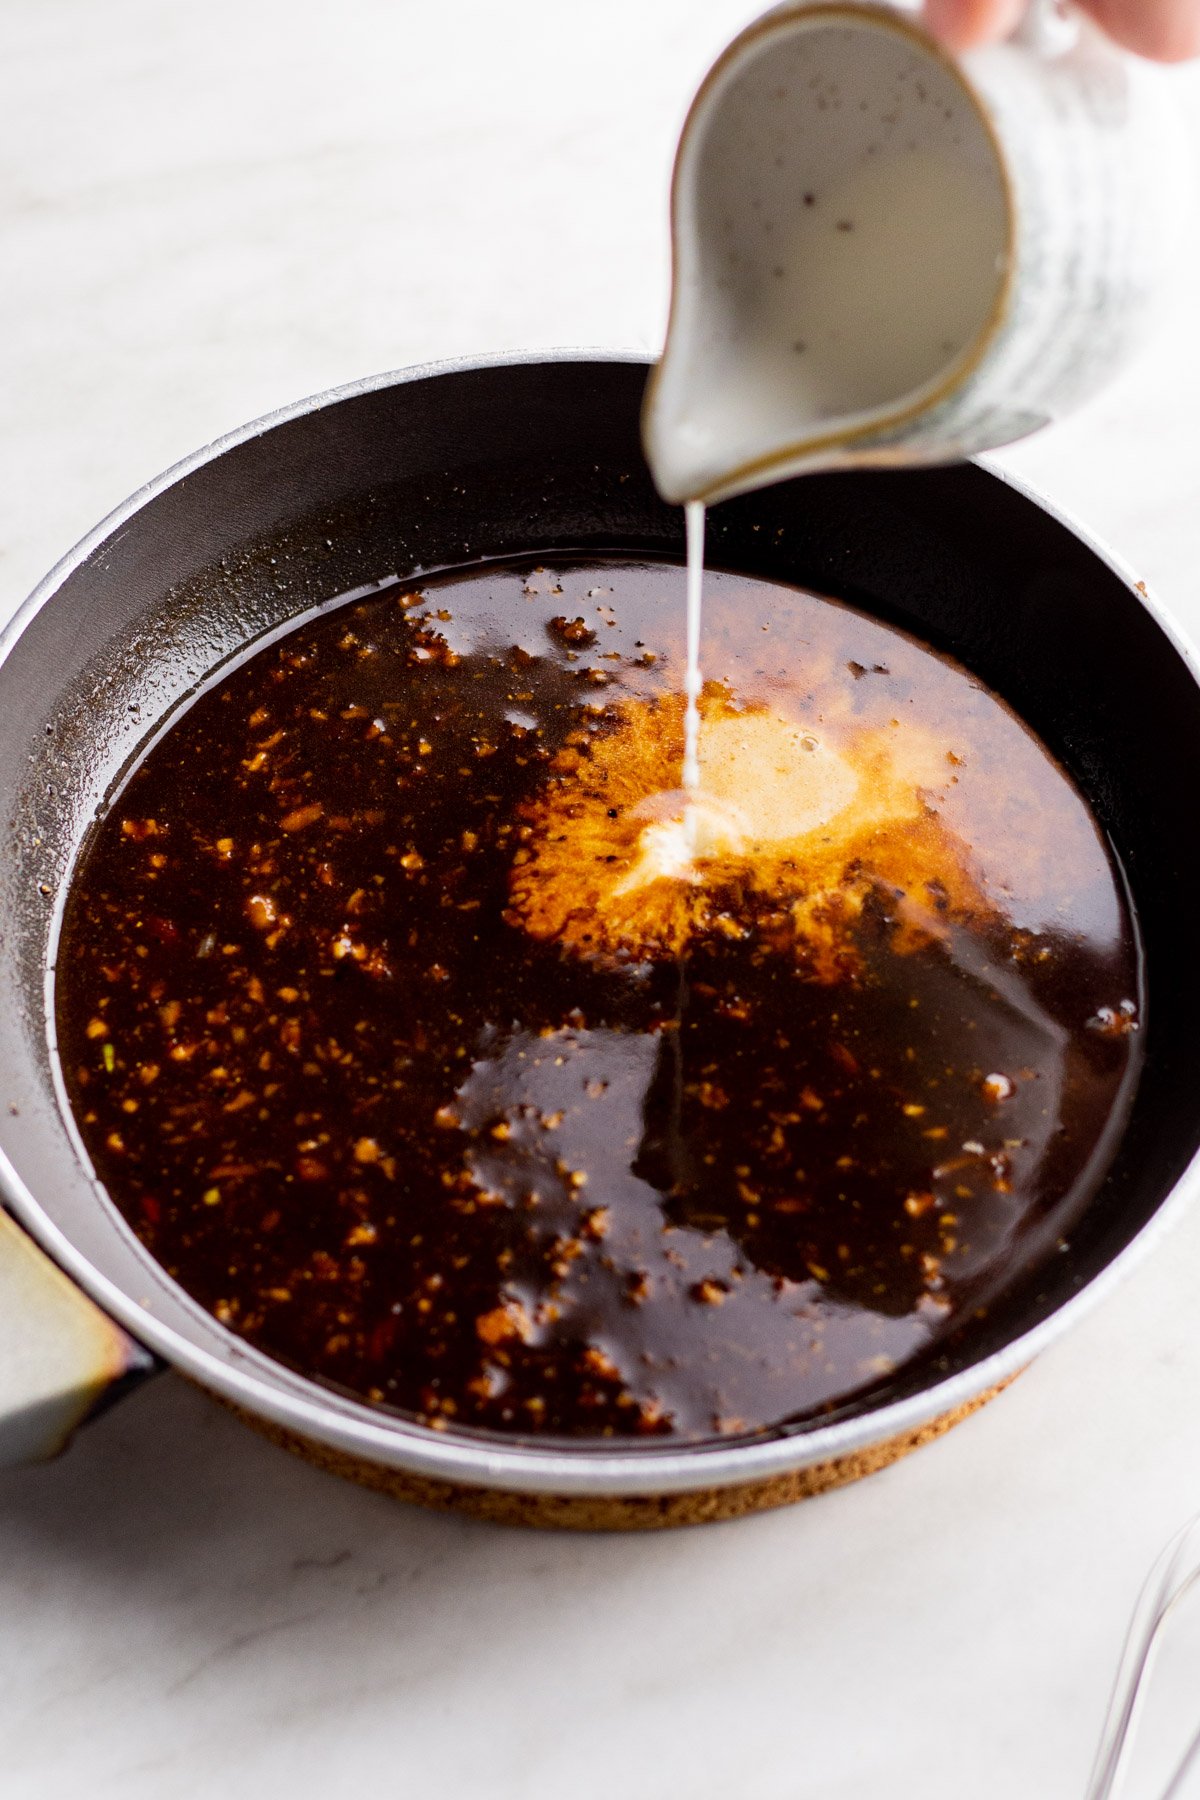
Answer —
1173 1576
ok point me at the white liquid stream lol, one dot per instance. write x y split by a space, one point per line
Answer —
694 514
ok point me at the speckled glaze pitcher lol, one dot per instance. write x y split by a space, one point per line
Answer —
884 255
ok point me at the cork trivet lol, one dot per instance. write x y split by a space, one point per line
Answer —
620 1512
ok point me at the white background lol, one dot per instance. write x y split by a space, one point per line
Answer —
207 210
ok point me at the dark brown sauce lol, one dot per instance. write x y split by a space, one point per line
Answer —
393 1028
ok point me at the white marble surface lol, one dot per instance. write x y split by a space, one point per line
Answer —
206 211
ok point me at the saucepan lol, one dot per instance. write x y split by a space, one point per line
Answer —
449 465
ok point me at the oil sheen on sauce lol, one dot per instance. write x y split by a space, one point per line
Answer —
419 1045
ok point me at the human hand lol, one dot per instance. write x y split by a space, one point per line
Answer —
1167 30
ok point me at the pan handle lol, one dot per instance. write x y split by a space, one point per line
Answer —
61 1358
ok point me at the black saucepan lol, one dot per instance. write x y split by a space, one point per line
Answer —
445 466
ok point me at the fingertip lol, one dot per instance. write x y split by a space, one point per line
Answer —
1166 31
961 24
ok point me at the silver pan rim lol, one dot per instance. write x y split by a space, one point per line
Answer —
263 1388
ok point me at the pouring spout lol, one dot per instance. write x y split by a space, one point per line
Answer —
841 230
